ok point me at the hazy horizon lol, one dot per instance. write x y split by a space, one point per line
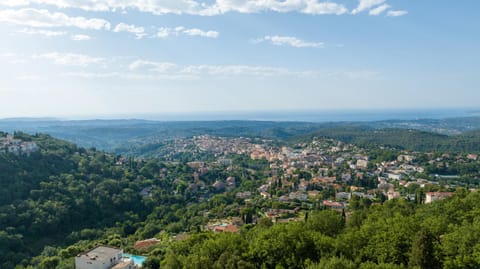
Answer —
331 115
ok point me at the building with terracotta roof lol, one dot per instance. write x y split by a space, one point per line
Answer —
144 244
435 196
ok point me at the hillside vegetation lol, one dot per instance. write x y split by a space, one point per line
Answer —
400 138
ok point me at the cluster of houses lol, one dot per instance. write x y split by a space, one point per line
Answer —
231 225
321 172
11 145
331 164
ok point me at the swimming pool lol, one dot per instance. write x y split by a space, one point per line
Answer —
138 260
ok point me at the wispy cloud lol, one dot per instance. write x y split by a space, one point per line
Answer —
198 32
202 8
81 37
195 7
47 33
42 18
290 41
139 32
155 70
377 7
324 8
397 13
364 5
379 10
71 59
165 32
28 77
151 66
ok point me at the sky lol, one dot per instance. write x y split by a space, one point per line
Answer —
66 58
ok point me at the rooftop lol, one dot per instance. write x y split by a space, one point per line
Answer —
101 253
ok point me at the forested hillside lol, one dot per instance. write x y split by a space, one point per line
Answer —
63 193
63 199
408 139
396 234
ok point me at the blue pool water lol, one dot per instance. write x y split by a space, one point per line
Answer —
138 260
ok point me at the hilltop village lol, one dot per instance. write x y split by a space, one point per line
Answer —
16 146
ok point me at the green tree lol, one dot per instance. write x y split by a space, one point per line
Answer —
423 253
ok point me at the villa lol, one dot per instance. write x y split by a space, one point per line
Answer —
103 257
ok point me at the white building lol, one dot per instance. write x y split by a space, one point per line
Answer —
101 257
225 162
125 264
435 196
363 164
395 176
301 196
393 195
343 196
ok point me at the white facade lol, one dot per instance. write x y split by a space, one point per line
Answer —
362 164
435 196
99 258
393 195
125 264
395 176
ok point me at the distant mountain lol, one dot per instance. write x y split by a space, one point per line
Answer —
110 135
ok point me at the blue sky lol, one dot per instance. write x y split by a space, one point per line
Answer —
87 58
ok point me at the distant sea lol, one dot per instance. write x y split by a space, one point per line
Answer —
314 116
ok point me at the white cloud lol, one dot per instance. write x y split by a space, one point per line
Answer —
313 7
198 32
28 77
69 59
8 54
291 41
43 18
366 5
321 8
165 32
379 10
397 13
139 32
233 70
144 69
161 67
47 33
81 37
211 8
194 7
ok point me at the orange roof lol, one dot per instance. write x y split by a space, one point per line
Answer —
440 194
146 243
229 228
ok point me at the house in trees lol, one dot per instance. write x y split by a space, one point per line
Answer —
103 257
435 196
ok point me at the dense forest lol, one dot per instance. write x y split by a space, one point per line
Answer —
396 234
63 194
408 139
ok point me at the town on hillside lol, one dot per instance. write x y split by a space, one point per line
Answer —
300 177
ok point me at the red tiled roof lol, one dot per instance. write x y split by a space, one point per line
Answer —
146 243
